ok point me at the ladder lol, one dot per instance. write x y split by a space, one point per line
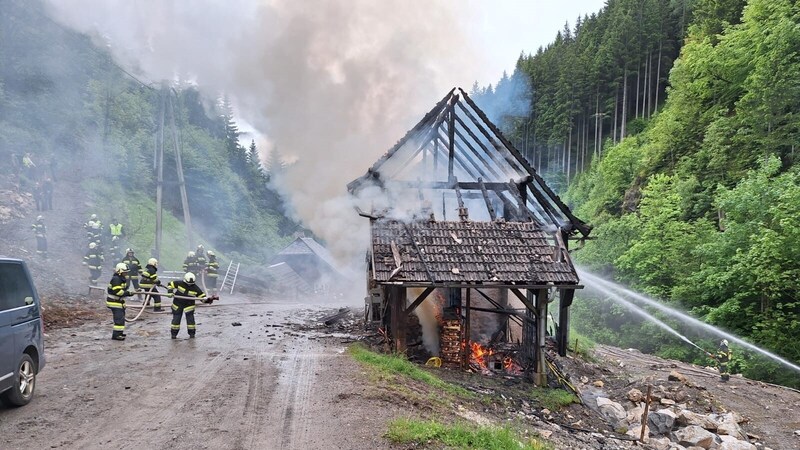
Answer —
230 277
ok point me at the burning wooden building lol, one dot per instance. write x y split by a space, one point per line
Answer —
457 211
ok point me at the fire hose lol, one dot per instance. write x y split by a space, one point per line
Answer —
147 293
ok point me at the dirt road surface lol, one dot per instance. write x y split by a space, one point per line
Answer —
258 385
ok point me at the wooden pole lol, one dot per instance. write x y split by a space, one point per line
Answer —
160 172
187 218
646 409
541 325
466 340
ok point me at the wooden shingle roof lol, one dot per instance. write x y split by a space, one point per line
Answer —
490 253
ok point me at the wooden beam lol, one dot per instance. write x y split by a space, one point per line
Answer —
467 323
418 301
577 223
496 305
562 336
487 285
525 300
541 326
451 138
489 207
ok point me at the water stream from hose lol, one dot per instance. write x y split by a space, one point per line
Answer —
621 295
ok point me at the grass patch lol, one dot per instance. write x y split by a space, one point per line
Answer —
394 364
553 399
459 435
584 345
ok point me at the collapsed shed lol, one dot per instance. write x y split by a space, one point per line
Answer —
306 267
465 215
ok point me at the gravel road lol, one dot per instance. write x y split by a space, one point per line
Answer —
259 385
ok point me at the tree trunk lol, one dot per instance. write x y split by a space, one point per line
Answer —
616 110
624 104
636 99
569 153
596 121
658 75
646 96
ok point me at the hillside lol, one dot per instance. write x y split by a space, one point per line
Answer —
672 128
93 127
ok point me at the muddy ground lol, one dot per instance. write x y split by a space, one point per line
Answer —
257 385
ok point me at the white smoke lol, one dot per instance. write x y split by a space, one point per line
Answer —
332 83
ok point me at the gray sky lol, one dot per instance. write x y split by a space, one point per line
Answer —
504 28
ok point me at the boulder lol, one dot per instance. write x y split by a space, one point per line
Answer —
635 414
686 417
667 402
676 376
661 421
680 396
728 424
635 430
695 436
598 383
635 395
662 443
611 410
731 443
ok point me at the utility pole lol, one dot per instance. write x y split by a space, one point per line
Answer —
160 171
187 217
167 107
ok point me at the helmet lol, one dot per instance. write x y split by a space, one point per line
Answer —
92 245
93 217
724 343
121 268
128 250
189 277
200 247
153 262
191 254
39 217
210 253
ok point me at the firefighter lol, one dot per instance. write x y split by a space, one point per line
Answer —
41 236
94 260
190 263
116 234
88 225
185 288
134 267
200 269
115 300
150 281
723 357
212 273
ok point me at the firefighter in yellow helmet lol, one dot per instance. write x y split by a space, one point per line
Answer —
94 260
723 358
40 230
185 292
115 300
150 281
190 263
212 273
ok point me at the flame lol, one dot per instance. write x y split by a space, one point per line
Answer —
479 354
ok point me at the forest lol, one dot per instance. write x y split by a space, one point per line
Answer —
672 127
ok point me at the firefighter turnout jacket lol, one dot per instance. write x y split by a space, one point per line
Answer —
149 277
184 289
116 293
93 259
212 269
134 266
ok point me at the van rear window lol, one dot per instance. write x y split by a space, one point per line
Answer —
14 286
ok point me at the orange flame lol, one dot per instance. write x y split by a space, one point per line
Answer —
479 354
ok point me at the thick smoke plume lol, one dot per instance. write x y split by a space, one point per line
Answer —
331 83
